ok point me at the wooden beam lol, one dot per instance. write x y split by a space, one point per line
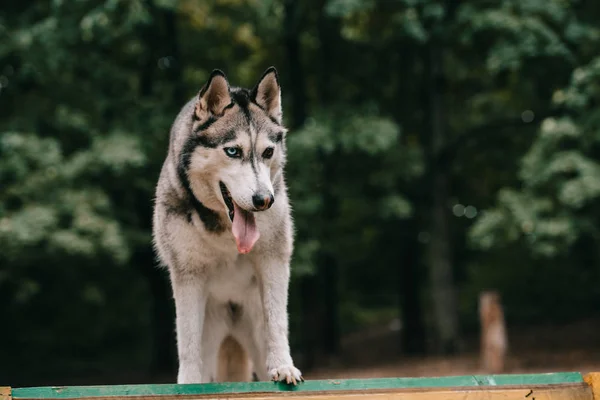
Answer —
579 391
568 386
5 393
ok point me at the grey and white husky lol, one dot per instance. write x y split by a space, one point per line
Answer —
222 226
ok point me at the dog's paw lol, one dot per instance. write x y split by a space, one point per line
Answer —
289 373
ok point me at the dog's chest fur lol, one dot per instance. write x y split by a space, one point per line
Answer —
229 276
233 281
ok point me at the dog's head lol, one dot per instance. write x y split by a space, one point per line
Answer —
240 148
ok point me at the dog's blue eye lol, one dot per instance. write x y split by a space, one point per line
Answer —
233 152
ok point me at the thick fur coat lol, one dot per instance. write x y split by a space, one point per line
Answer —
223 227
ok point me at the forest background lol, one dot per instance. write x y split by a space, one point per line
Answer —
437 148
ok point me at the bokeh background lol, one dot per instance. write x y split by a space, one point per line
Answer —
437 148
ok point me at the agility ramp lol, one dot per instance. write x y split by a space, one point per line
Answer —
553 386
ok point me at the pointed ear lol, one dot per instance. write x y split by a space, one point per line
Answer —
213 97
267 94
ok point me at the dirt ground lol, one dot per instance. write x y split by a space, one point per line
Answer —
551 348
539 362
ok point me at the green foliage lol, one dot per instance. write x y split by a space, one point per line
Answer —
359 142
557 202
89 89
50 209
70 160
526 30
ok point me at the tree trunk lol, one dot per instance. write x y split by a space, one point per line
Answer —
171 48
440 265
329 278
411 310
161 41
296 82
409 278
295 68
327 269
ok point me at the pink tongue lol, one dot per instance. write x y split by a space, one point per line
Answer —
244 229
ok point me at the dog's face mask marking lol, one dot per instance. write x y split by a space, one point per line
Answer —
240 149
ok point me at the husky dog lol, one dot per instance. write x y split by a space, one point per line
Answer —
222 225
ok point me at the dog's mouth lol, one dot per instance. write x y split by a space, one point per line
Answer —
243 223
228 200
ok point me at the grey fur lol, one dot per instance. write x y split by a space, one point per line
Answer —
218 290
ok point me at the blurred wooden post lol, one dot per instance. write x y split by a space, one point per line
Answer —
493 332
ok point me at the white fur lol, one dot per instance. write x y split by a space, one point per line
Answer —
207 272
213 274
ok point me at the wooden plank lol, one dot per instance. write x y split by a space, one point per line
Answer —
76 392
577 391
593 379
5 393
559 392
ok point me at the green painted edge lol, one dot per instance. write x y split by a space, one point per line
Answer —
67 392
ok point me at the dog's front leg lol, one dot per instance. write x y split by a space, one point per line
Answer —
190 307
274 293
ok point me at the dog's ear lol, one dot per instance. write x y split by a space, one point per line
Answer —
213 97
267 94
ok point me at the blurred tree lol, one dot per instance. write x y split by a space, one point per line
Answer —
478 70
543 221
68 205
553 215
406 117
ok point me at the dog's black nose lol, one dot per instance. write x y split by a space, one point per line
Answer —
262 202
